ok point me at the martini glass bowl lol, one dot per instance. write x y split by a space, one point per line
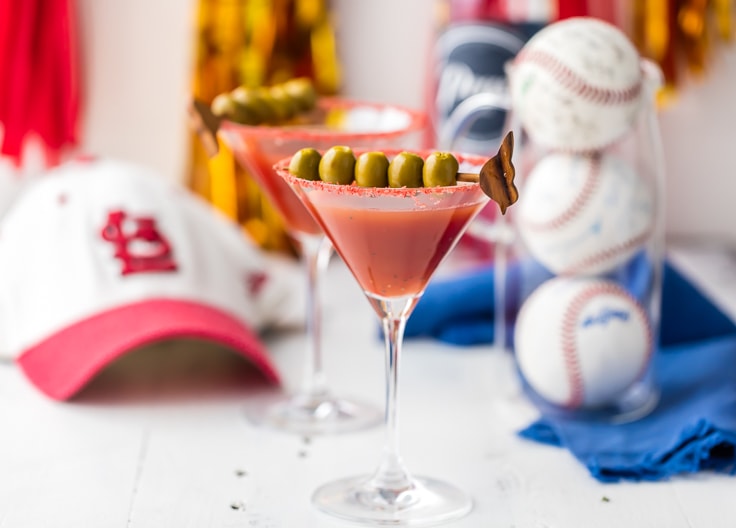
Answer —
392 240
313 408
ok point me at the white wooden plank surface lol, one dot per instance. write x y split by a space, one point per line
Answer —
160 440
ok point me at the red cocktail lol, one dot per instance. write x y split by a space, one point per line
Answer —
259 162
392 240
313 409
337 122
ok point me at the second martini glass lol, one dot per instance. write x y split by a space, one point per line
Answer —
392 240
313 409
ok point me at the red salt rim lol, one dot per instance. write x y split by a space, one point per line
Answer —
309 131
282 168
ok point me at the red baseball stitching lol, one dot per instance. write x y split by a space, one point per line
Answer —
592 180
650 340
570 80
569 349
606 254
569 342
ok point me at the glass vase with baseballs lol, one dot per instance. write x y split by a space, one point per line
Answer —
584 279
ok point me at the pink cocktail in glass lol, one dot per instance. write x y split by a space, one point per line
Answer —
313 409
392 240
392 252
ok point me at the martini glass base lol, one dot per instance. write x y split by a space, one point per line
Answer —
425 503
313 415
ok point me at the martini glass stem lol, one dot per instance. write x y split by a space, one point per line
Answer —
313 409
391 478
316 252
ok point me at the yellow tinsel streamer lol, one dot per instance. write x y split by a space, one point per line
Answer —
255 43
680 35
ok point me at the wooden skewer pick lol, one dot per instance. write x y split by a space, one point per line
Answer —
205 124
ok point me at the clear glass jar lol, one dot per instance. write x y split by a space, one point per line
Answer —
584 263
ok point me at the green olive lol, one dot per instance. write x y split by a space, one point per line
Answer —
302 92
283 103
255 106
222 105
371 170
305 164
337 165
440 170
405 170
270 106
226 107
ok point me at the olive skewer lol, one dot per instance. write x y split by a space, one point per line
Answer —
496 177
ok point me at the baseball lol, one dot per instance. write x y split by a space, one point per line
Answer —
582 342
576 85
584 214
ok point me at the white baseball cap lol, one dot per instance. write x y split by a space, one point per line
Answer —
100 257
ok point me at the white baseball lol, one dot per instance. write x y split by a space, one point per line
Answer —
584 214
582 342
576 85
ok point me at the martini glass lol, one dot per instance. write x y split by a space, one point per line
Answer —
392 240
313 408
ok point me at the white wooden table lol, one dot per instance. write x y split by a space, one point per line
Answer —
160 439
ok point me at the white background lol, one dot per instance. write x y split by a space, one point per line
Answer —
136 56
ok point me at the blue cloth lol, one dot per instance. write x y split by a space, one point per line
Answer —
459 310
693 428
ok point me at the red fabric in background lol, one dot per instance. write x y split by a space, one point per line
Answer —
572 8
39 89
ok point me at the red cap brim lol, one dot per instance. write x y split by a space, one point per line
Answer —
65 362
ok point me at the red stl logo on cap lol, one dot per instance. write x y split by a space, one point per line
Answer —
160 260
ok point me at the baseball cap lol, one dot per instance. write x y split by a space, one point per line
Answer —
100 257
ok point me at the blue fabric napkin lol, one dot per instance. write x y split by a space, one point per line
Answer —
693 427
459 310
